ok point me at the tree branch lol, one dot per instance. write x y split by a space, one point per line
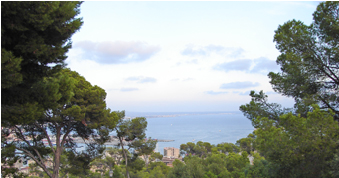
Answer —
47 136
23 138
41 164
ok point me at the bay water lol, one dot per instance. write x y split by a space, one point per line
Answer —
212 127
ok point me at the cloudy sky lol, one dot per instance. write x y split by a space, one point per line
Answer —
181 56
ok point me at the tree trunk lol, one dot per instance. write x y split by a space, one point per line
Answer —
146 160
56 165
125 155
58 150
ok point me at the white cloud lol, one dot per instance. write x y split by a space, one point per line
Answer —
215 92
237 65
192 50
142 79
128 89
109 52
239 85
260 65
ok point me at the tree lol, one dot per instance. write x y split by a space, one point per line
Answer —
102 165
161 165
260 169
259 107
194 167
157 172
115 153
35 36
144 148
72 108
225 148
299 146
300 142
246 144
39 33
309 60
201 148
132 132
179 170
155 156
334 164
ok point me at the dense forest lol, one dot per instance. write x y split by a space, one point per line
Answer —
43 102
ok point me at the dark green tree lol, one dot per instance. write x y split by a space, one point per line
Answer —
225 148
309 60
131 135
200 149
72 108
300 147
301 141
178 170
35 36
260 107
144 148
246 144
115 153
156 156
260 169
160 165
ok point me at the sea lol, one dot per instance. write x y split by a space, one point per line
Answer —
212 127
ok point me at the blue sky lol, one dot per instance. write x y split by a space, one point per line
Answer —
181 56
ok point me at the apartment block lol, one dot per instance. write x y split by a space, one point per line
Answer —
171 152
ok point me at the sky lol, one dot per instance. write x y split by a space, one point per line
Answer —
177 56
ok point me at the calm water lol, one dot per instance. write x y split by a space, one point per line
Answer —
207 127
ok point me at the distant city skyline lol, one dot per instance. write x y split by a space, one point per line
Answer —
181 56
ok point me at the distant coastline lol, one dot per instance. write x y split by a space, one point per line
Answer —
174 114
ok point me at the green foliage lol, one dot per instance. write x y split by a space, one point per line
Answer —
133 131
35 37
10 69
39 33
334 165
201 148
178 170
117 172
225 148
157 173
194 166
246 144
160 166
259 107
300 142
156 156
144 148
309 60
260 169
299 146
71 105
223 161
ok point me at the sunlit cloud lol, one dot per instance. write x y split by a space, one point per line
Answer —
237 65
109 52
264 66
128 89
187 79
192 50
215 92
239 85
260 65
141 79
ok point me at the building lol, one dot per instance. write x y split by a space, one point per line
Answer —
171 152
